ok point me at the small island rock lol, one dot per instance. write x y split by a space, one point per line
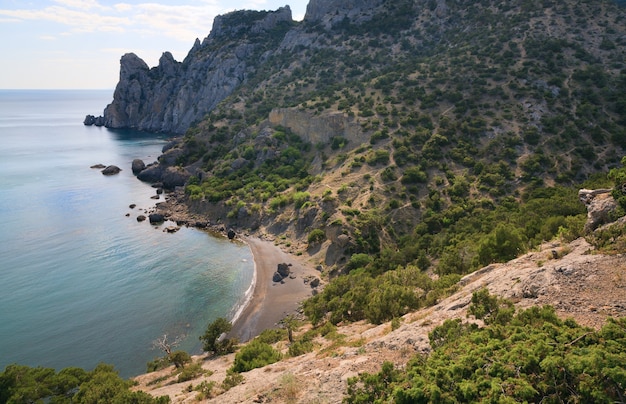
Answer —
111 170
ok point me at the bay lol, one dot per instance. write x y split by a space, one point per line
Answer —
81 280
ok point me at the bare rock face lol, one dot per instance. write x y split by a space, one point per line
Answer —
600 205
171 96
317 129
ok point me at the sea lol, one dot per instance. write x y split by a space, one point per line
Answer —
82 282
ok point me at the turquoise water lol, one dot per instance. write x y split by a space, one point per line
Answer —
80 281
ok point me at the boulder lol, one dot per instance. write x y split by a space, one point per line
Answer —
231 234
315 282
138 166
283 270
141 218
98 166
156 218
152 173
111 170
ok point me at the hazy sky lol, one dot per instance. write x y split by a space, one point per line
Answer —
74 44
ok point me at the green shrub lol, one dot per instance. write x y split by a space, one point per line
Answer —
316 236
530 357
179 358
231 380
272 335
255 354
300 348
190 372
213 340
157 364
501 245
299 198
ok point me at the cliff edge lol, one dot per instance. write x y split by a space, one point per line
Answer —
172 96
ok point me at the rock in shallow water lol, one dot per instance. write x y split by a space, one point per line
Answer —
111 170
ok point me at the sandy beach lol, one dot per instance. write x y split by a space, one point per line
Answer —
270 301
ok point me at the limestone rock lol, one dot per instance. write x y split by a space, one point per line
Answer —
600 205
318 128
173 95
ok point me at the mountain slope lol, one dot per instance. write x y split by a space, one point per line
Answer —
389 123
401 145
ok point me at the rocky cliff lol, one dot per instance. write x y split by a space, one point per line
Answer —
173 95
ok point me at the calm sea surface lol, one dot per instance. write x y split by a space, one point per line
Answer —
80 282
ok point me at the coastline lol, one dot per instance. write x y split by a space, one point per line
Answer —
271 301
267 302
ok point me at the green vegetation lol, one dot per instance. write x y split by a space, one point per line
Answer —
214 339
531 356
360 295
23 384
618 176
255 354
316 236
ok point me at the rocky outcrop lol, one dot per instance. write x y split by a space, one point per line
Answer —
600 207
173 95
317 128
92 120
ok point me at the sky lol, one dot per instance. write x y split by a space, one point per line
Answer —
77 44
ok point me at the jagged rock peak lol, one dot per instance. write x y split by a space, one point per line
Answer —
130 64
330 11
173 95
242 21
167 65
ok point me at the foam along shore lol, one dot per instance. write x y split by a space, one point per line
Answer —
270 301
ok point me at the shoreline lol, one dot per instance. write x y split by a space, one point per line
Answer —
266 302
271 301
